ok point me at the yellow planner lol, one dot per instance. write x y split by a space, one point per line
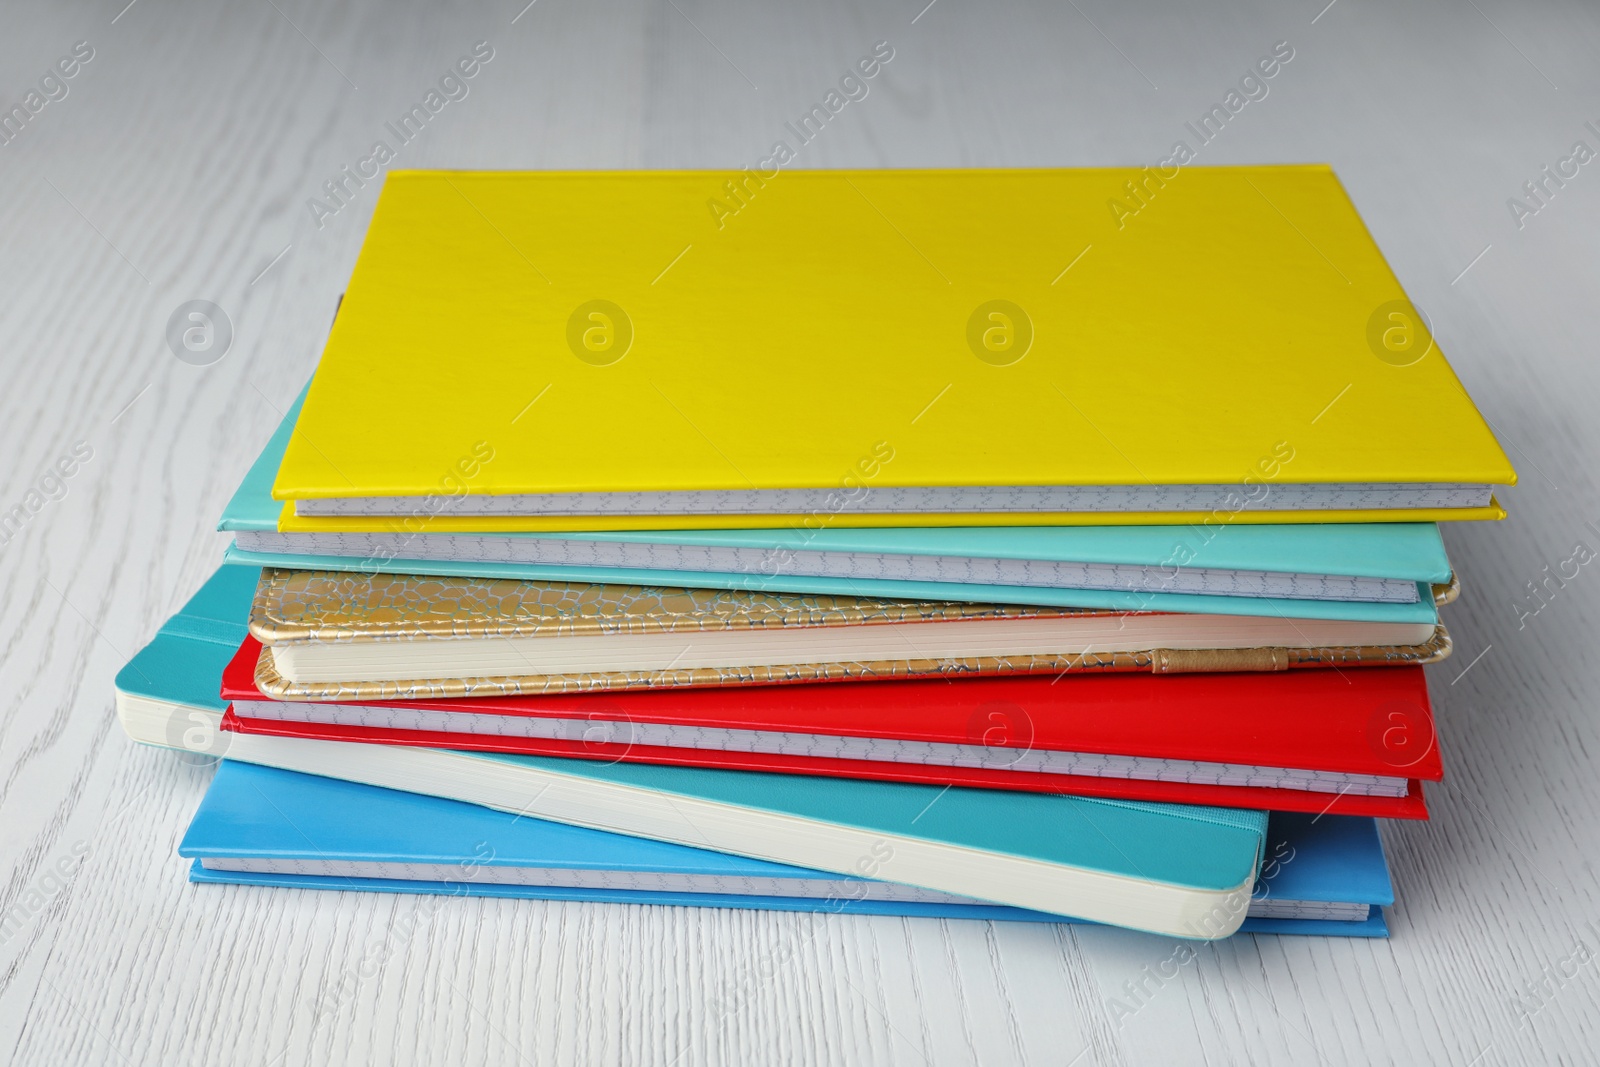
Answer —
650 350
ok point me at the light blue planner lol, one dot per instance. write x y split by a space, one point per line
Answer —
263 826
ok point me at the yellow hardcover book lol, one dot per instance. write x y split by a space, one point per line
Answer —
615 350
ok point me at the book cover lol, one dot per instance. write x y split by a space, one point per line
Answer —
184 661
363 557
262 826
901 275
1369 571
336 636
1360 743
1168 868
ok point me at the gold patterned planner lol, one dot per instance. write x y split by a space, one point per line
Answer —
351 636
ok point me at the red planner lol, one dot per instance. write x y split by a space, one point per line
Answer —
1357 742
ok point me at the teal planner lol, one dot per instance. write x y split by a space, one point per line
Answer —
183 663
1377 572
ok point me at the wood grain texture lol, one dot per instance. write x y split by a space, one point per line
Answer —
179 165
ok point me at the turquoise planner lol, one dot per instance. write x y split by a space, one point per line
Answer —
1379 572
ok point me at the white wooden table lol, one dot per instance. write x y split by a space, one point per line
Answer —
179 164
